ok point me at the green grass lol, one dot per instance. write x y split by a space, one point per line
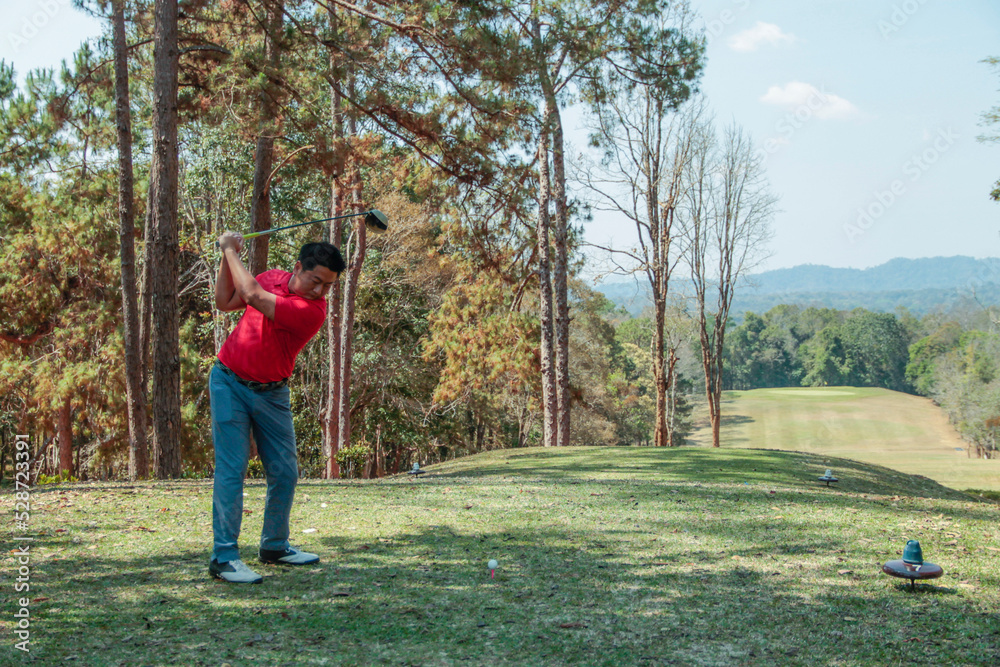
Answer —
888 428
608 556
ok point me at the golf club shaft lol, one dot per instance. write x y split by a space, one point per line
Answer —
301 224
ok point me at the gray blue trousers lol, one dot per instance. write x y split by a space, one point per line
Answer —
235 410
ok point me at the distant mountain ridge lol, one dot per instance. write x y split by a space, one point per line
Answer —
921 285
896 274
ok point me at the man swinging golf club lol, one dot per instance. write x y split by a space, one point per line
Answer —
248 387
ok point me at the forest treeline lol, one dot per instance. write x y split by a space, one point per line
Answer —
465 327
450 334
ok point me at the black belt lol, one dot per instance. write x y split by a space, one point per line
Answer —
252 384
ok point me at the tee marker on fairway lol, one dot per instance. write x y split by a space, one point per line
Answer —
828 477
913 566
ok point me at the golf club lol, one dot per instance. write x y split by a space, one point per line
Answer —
375 220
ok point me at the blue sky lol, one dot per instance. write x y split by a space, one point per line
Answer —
868 111
883 161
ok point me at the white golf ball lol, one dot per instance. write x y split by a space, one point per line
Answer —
492 564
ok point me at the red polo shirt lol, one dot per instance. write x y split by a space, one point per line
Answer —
262 350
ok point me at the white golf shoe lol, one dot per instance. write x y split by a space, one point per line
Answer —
234 571
290 556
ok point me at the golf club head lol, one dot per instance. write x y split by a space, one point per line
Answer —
376 222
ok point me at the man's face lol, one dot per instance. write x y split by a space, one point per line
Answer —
311 284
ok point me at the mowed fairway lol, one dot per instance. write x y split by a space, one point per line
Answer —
888 428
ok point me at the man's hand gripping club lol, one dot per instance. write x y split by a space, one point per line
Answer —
235 287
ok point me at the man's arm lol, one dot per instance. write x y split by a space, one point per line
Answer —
226 298
247 288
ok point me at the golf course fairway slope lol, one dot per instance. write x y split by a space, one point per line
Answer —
901 431
605 556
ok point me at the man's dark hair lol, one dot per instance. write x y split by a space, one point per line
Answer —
322 253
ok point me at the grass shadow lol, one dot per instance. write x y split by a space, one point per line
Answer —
699 465
607 557
560 598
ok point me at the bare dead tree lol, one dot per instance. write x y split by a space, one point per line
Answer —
648 150
726 221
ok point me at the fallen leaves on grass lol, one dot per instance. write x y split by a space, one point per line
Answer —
567 626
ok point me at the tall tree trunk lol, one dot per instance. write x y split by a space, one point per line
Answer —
378 462
550 391
330 418
661 429
260 208
716 404
560 274
331 415
672 440
66 437
146 287
658 275
550 423
552 126
165 330
357 260
138 458
712 394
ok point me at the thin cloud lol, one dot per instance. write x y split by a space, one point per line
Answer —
807 97
760 34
